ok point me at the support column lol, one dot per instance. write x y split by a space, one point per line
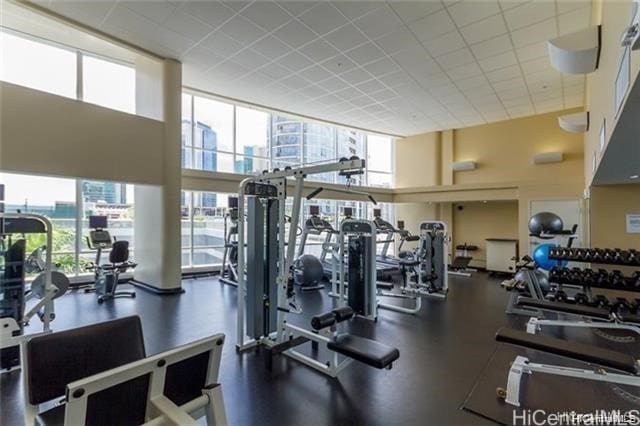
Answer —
157 215
446 157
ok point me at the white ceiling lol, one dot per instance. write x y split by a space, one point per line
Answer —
396 67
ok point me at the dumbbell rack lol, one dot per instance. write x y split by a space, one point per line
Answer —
588 278
615 256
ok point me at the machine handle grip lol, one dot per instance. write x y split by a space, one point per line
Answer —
321 321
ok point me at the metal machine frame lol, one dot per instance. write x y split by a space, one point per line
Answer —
12 331
284 257
521 365
430 260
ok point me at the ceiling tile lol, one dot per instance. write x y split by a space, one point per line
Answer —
323 18
365 54
520 100
266 14
316 73
172 40
411 56
395 79
370 86
346 37
275 70
529 13
517 95
483 30
379 22
445 43
569 5
455 59
242 30
318 50
211 12
381 67
156 11
542 31
333 84
91 13
221 44
187 26
575 21
296 8
470 83
295 61
499 61
339 64
410 11
504 74
355 9
294 82
230 70
514 83
127 19
251 59
537 65
295 34
271 47
533 51
432 26
202 58
465 13
397 40
464 72
491 47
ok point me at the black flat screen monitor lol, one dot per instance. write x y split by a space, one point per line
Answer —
347 211
233 202
314 210
98 222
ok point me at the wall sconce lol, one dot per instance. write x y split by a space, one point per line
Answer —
547 157
463 166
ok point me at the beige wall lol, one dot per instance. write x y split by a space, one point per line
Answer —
41 133
475 222
609 207
504 150
614 16
417 160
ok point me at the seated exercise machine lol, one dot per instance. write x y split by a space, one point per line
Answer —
460 264
18 305
123 386
107 275
626 368
266 294
229 271
432 254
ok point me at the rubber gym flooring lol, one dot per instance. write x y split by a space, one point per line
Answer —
444 350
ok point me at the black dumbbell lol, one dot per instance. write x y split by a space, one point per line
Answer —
579 254
581 299
602 278
616 280
588 277
634 281
597 255
600 301
554 274
622 306
633 257
608 255
618 256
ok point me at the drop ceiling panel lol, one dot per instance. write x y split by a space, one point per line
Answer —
398 67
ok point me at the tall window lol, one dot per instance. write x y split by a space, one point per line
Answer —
68 203
47 67
379 161
203 228
109 84
37 65
248 141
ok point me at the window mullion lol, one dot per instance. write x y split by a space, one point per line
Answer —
79 218
79 77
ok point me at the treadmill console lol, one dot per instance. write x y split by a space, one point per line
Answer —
100 238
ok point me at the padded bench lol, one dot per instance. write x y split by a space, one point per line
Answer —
364 350
565 308
591 354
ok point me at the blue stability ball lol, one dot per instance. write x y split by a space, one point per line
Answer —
541 256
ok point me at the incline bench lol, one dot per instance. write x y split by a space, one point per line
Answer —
593 317
602 358
367 351
101 374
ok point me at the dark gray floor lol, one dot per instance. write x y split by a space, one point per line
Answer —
443 351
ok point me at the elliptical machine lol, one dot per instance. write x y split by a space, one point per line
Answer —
229 271
107 275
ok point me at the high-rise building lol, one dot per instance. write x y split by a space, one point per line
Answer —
199 149
107 192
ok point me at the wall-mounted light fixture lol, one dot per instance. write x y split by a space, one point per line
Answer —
575 123
463 166
576 53
547 157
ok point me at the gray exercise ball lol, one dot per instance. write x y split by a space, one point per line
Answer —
545 222
542 278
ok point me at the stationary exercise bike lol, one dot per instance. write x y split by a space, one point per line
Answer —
107 275
229 271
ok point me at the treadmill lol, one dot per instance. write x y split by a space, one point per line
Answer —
315 225
388 230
